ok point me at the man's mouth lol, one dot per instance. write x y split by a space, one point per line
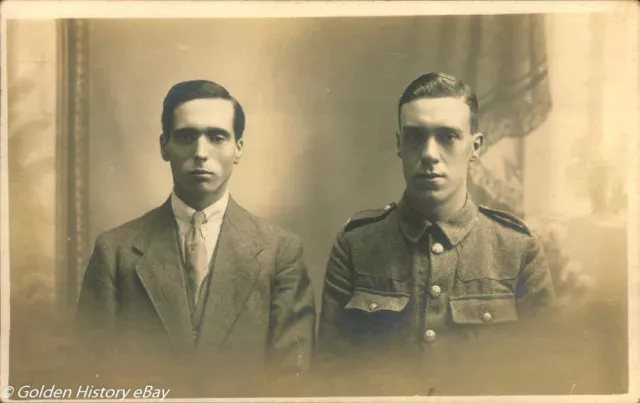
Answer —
200 172
429 175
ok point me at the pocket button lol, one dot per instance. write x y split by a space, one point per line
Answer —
373 306
487 317
430 336
437 248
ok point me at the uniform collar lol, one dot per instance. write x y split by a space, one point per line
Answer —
183 212
455 227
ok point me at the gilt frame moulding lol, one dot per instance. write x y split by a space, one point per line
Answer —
72 159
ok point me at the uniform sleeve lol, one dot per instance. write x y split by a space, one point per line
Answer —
338 290
534 289
293 314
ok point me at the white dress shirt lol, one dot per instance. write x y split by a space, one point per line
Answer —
210 228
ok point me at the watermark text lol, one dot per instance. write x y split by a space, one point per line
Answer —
84 392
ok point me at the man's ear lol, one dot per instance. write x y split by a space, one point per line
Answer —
478 140
163 144
238 151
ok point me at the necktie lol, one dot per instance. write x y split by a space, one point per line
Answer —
196 256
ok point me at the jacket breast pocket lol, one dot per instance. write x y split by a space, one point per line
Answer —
483 309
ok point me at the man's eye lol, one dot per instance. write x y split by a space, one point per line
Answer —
216 138
411 135
184 137
447 136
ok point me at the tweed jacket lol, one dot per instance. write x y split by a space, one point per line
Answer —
259 314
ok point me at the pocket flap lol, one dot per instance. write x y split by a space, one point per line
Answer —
477 309
371 302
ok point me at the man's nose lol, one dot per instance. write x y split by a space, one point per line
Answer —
202 148
430 150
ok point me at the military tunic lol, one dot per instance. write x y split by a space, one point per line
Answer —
399 286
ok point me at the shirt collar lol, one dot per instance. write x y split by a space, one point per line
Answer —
455 227
183 212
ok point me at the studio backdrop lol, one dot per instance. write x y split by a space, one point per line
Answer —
320 97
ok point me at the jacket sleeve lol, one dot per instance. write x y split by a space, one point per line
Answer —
338 289
534 288
293 314
97 303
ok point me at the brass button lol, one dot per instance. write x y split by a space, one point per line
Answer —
437 248
487 317
430 336
435 291
373 306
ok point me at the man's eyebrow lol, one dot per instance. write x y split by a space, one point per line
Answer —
216 130
185 129
450 129
206 130
436 128
412 127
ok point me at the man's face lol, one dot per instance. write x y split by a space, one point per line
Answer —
435 144
201 149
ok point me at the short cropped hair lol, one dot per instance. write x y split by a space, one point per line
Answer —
189 90
441 85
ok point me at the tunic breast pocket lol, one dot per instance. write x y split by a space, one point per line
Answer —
377 317
367 301
489 326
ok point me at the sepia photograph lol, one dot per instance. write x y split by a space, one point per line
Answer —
317 201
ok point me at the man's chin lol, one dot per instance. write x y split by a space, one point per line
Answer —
202 189
431 196
207 188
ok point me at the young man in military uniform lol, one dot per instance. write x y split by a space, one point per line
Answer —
409 279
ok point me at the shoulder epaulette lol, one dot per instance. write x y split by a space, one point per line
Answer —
368 216
505 219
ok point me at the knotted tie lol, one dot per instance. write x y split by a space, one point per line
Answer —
196 261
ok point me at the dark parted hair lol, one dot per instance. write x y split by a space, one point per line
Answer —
196 89
441 85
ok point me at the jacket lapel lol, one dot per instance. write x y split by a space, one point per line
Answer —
160 271
234 273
